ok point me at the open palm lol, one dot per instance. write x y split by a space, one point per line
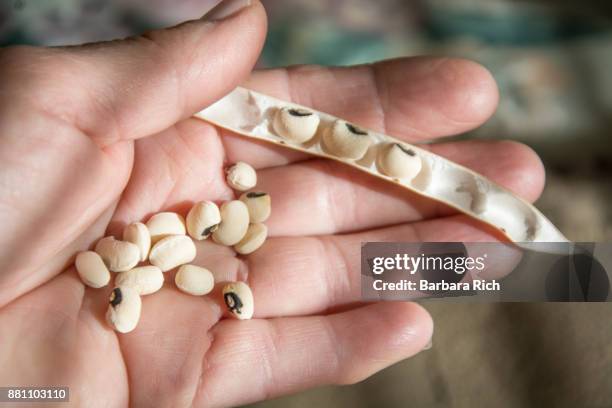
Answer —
94 137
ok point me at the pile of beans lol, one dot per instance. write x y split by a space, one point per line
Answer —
165 242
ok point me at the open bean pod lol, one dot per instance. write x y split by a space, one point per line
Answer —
255 115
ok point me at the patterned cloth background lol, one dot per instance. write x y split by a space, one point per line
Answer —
552 60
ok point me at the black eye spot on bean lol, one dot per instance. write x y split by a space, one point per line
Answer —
210 230
299 112
255 194
409 152
116 297
355 130
233 302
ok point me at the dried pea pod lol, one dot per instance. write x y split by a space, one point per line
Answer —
252 114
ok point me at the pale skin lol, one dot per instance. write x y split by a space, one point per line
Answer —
97 136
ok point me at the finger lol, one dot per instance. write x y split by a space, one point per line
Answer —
136 87
261 359
345 200
414 99
315 274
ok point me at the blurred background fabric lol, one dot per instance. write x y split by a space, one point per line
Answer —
553 63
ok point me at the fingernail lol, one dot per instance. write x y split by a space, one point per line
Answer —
429 344
225 9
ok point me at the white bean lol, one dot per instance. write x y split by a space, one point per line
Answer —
241 176
296 125
346 140
172 251
203 219
144 279
396 160
258 204
254 238
119 256
234 223
239 300
164 224
138 234
194 280
124 309
91 269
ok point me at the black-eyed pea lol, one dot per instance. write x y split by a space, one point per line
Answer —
253 240
234 223
238 298
398 161
91 269
119 256
194 280
241 176
259 205
164 224
172 251
138 234
296 124
346 140
203 219
144 279
124 309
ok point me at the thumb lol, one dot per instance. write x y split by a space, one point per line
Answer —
127 89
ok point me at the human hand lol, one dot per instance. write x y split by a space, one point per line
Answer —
94 137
